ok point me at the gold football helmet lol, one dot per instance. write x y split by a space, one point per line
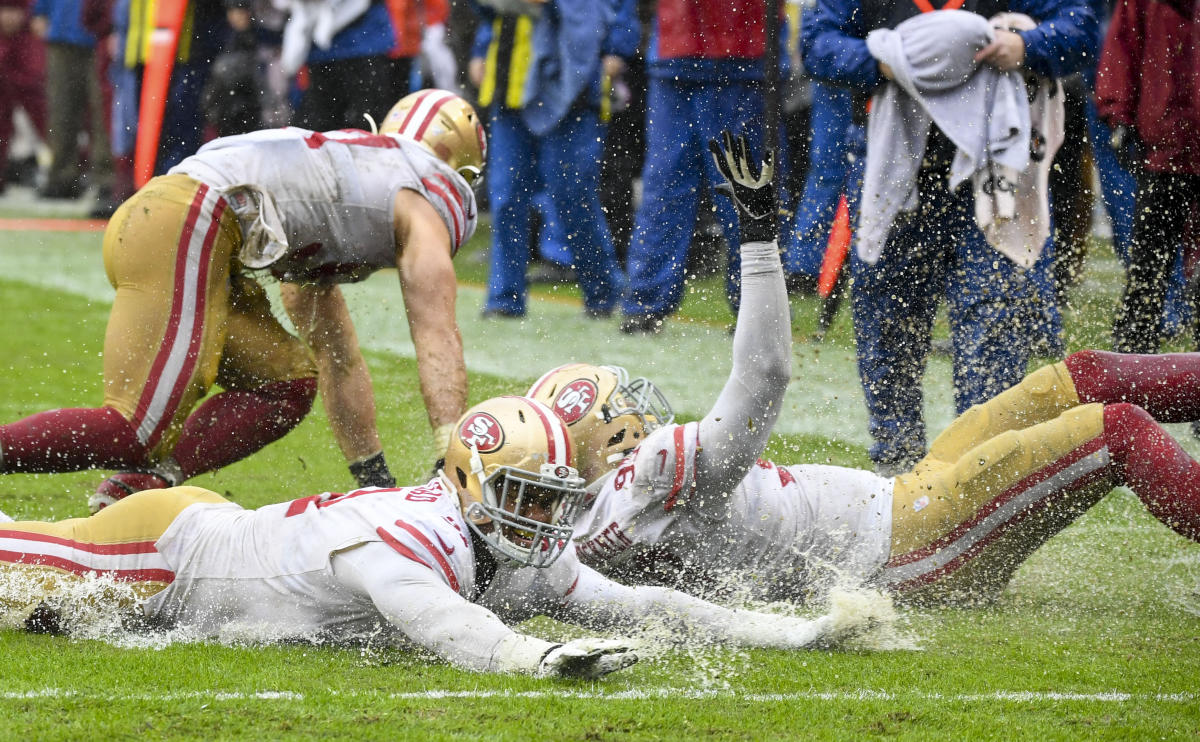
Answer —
607 413
446 124
510 458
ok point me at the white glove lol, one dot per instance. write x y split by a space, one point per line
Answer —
587 658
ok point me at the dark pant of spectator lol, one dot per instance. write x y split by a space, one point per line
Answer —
340 92
1165 203
21 86
73 92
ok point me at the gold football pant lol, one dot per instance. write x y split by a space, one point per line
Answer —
1001 480
40 559
184 318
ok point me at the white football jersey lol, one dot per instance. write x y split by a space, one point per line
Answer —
268 572
334 193
779 534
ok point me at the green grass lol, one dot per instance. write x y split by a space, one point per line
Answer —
1098 635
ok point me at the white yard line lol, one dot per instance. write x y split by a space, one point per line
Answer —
651 694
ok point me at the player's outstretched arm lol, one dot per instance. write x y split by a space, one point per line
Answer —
323 321
430 289
438 619
600 603
735 432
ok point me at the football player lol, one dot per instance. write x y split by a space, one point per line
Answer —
436 565
693 506
186 253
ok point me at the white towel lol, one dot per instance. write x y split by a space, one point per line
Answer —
985 112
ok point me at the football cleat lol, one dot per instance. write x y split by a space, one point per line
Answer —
510 459
445 124
122 485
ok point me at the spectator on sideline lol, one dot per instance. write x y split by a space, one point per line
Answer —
22 86
183 129
938 250
345 47
74 97
233 94
1148 91
706 71
540 73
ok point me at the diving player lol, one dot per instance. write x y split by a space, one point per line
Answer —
436 565
694 507
312 210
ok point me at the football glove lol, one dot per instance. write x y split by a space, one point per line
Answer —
372 472
587 658
753 194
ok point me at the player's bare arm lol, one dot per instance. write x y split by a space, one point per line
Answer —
430 290
321 317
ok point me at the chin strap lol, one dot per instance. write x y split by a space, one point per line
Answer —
371 121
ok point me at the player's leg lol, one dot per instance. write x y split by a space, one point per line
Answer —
960 528
270 381
1152 464
41 560
167 252
1166 385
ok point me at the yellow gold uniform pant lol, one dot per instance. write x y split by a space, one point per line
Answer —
184 317
1003 478
40 559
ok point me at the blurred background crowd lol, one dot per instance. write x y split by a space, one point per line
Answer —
598 115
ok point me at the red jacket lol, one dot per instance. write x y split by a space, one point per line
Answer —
1149 77
715 29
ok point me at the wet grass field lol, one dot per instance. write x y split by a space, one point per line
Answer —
1097 636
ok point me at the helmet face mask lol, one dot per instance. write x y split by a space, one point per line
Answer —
446 125
607 413
510 459
525 517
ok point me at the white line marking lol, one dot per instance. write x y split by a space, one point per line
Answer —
652 694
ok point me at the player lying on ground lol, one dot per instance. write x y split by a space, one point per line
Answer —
435 564
313 210
693 506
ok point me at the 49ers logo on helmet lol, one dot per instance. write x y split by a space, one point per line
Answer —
482 431
575 399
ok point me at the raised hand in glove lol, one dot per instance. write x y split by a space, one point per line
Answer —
587 658
752 193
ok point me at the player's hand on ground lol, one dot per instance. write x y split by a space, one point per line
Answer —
588 658
748 185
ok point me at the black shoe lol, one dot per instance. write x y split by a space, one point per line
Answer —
800 284
548 272
643 324
70 190
500 313
104 207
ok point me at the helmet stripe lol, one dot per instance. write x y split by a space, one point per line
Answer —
413 111
556 438
428 107
537 385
